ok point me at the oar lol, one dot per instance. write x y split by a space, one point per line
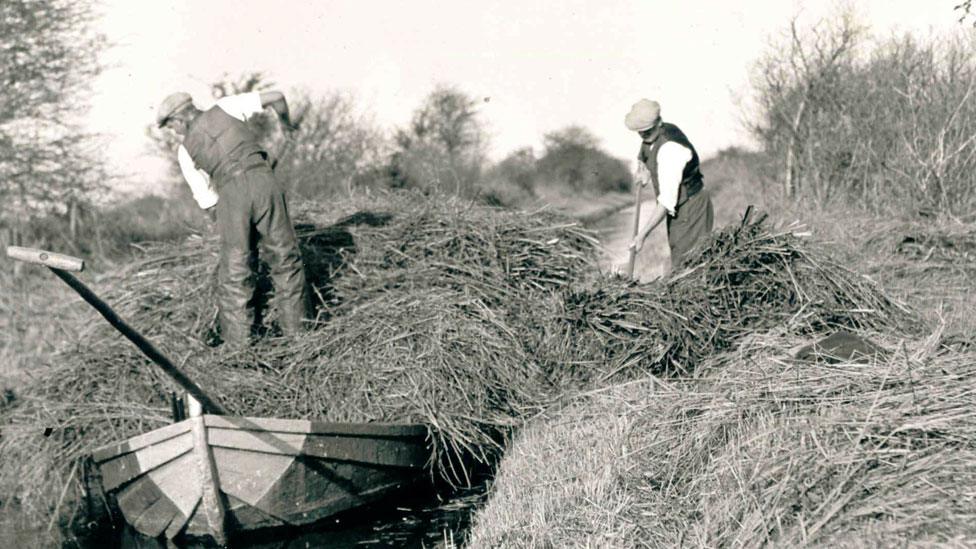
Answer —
639 182
60 265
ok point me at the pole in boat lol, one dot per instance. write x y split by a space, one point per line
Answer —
60 265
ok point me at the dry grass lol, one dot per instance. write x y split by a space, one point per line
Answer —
928 262
37 315
759 451
559 483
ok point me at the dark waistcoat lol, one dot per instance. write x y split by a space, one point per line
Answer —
691 177
222 145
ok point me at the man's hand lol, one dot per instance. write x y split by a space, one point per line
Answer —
212 213
637 243
642 175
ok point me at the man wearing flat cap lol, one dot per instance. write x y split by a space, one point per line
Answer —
228 172
670 162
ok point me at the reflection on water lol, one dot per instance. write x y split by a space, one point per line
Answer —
428 518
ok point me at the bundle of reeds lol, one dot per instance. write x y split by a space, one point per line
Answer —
747 278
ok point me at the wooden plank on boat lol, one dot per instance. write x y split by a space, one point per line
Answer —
373 451
311 490
163 499
156 518
137 498
127 466
248 476
317 427
249 516
370 451
156 436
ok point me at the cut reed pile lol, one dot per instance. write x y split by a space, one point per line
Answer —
746 279
436 310
414 326
758 451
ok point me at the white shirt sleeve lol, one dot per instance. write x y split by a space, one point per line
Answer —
241 106
671 160
197 179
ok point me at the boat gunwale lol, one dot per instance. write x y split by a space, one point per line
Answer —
319 428
138 442
272 425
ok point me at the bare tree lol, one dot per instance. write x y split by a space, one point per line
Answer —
444 144
890 129
48 58
573 159
802 77
334 147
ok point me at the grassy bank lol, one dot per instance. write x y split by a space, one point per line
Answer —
758 451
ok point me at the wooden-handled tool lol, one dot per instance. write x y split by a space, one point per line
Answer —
60 265
639 182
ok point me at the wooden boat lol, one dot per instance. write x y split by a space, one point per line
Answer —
208 474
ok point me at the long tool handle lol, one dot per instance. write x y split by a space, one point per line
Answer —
46 258
135 337
637 209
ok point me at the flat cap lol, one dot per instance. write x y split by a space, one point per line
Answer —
171 105
643 115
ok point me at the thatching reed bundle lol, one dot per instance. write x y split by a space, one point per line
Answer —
759 451
746 279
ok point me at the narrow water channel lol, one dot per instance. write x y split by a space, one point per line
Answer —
428 517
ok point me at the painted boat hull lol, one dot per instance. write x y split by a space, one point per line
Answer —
269 472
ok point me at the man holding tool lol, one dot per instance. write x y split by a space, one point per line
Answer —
229 174
669 161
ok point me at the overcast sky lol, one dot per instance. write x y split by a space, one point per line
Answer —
537 65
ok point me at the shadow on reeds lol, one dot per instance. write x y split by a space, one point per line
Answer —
326 251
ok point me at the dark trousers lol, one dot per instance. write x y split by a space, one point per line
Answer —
252 216
692 221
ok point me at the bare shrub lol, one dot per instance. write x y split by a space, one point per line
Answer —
511 181
888 124
334 148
